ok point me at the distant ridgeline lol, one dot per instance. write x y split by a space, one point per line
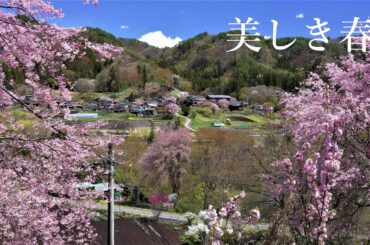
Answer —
197 64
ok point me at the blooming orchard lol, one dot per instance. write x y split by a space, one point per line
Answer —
41 157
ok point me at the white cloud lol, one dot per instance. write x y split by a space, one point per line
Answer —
159 40
124 27
300 16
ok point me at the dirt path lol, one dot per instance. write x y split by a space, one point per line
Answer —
187 123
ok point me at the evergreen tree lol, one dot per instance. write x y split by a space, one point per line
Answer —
152 132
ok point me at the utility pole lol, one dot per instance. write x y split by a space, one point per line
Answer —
111 162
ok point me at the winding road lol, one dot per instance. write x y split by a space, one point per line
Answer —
187 123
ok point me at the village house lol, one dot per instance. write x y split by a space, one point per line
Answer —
74 106
235 105
29 100
120 107
120 191
142 110
193 101
162 101
216 98
91 107
152 104
104 103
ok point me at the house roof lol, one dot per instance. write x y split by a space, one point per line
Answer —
218 96
152 103
105 98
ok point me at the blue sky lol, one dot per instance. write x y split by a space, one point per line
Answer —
187 18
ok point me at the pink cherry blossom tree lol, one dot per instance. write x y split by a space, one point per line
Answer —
42 161
168 155
214 107
223 104
326 183
172 108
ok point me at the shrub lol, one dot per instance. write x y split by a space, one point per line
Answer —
223 104
207 112
208 104
84 85
159 201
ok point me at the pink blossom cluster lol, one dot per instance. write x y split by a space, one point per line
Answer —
172 99
172 108
32 8
223 104
40 162
167 155
328 122
228 221
160 199
214 107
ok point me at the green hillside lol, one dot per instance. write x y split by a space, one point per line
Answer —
200 64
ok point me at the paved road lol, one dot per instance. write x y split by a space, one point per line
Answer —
144 212
187 122
164 215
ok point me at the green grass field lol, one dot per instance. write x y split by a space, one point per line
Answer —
237 119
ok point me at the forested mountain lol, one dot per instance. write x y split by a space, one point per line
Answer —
136 69
204 61
199 64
